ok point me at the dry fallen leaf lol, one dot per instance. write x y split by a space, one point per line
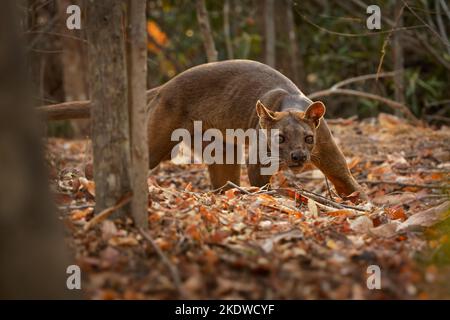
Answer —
88 185
386 230
81 214
361 224
240 237
312 206
396 213
393 199
426 218
123 241
341 213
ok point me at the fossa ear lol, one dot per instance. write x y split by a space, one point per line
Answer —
263 113
315 112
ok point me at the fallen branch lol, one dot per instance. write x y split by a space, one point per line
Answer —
426 218
342 121
391 103
173 270
233 185
336 89
365 77
328 202
107 212
325 203
78 207
74 109
66 110
403 184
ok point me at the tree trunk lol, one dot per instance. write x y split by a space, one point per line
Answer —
32 251
298 69
109 102
73 61
226 29
397 53
205 29
137 102
269 32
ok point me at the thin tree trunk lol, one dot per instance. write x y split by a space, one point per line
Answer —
32 251
397 52
137 101
205 29
292 41
73 59
298 69
109 102
269 32
226 29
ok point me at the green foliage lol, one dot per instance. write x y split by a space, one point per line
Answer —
333 43
441 254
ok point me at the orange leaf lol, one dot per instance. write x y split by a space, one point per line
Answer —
163 244
231 193
341 213
80 214
219 236
158 36
353 197
208 216
354 162
396 213
88 185
193 232
436 176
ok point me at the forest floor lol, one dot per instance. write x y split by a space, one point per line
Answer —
292 242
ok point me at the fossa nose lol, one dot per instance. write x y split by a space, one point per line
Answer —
298 156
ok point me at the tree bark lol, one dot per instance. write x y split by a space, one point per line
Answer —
269 25
137 102
205 29
298 69
76 109
226 29
73 63
32 251
109 102
397 54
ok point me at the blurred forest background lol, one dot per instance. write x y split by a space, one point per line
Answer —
316 43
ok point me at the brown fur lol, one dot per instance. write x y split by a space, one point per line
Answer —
223 95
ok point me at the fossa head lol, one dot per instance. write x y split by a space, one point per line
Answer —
296 134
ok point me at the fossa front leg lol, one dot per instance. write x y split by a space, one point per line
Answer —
331 161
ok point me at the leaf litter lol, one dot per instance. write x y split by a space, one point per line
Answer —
290 242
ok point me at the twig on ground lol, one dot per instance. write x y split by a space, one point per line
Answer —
107 212
321 199
230 184
173 270
403 184
76 207
328 188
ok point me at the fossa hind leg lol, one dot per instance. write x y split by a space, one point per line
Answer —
159 134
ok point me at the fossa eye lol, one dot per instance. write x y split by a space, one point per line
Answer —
281 139
309 139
